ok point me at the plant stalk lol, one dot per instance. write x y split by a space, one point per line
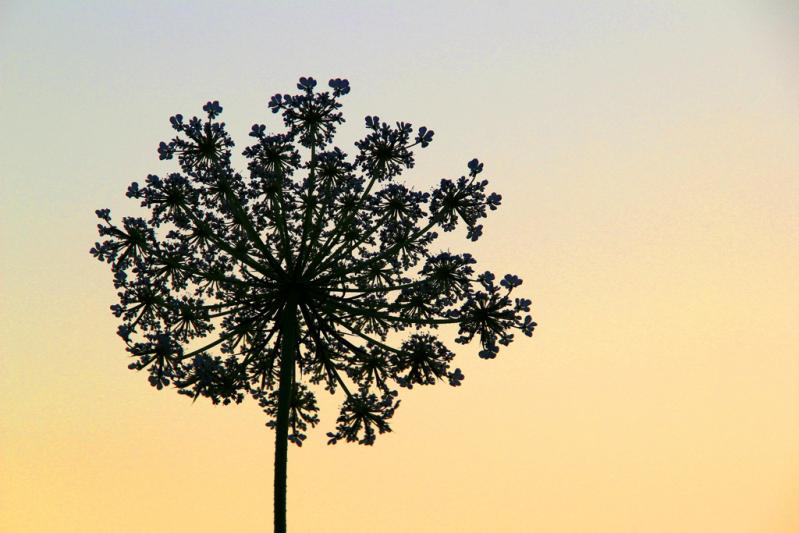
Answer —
289 329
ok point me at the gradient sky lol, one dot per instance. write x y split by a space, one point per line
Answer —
648 157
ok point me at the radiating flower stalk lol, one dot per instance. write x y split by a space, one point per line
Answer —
291 275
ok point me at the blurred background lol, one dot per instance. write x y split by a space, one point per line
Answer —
648 158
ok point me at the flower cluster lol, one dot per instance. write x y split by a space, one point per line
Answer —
297 271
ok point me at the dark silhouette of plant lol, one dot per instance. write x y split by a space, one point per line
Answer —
300 269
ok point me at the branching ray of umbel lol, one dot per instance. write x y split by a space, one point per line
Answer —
293 274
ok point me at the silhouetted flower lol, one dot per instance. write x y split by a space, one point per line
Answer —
298 271
258 131
475 167
424 137
212 108
340 87
339 238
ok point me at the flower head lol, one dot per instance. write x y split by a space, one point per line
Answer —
303 267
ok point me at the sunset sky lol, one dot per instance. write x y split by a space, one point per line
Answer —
648 158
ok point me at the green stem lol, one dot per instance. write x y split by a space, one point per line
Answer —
289 327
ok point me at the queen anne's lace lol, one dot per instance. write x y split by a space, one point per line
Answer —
204 279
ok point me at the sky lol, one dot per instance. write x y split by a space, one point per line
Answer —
648 158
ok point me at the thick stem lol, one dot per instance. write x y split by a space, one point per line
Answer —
288 326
